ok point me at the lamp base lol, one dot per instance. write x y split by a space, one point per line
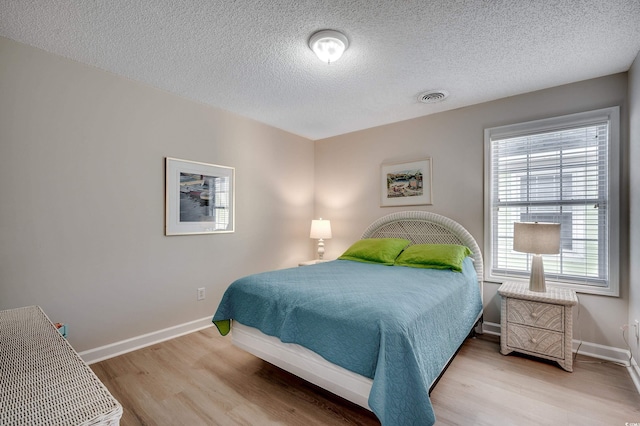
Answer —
320 248
537 281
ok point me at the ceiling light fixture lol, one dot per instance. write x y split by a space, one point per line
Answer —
328 45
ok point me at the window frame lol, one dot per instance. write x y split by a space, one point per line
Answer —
610 114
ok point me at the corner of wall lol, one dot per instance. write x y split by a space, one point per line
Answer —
634 208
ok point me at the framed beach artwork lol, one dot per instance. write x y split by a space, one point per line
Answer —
406 184
199 198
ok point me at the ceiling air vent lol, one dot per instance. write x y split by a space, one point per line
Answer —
433 96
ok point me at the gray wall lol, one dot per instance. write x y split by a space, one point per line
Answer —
82 199
634 202
348 167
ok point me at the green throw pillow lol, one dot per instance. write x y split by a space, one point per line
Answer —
376 250
435 256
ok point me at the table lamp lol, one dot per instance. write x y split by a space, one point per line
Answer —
536 238
320 230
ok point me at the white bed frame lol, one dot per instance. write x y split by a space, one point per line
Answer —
418 226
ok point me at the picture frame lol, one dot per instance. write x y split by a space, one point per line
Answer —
406 183
199 198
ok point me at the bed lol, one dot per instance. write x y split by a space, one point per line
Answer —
379 335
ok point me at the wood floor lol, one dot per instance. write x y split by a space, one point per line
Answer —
201 379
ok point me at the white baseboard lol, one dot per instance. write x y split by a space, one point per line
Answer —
122 347
634 372
491 328
607 353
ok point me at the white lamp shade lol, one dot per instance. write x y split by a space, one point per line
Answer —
320 229
536 238
328 45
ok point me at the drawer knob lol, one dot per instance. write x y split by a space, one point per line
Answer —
534 315
533 340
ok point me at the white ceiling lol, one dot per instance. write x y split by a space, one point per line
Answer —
252 58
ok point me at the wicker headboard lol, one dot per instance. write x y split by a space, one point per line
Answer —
425 228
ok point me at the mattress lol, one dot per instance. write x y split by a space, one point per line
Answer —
304 363
398 326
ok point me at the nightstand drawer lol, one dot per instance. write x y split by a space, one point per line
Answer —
536 314
536 340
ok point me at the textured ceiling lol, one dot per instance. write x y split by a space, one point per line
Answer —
252 58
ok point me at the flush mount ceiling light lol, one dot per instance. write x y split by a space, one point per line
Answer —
328 45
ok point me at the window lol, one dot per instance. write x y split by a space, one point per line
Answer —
216 200
562 170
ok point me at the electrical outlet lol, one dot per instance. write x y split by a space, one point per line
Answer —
201 293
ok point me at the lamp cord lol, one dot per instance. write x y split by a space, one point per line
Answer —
624 337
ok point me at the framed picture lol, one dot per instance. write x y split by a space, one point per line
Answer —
406 184
199 198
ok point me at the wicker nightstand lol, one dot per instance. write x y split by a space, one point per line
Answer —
539 324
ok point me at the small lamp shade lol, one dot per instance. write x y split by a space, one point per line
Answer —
537 238
320 230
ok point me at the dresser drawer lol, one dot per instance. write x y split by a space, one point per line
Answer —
535 314
536 340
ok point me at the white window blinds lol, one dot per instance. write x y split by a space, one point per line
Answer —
554 171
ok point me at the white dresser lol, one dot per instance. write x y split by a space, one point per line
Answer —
536 323
43 381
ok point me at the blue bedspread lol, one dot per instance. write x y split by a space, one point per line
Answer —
396 325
